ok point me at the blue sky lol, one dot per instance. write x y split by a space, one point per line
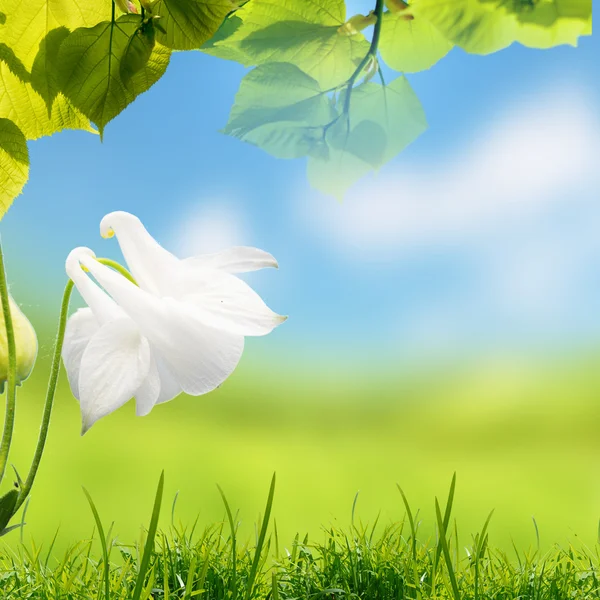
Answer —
484 234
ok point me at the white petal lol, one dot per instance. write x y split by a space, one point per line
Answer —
169 387
239 259
149 392
103 306
113 366
226 302
81 326
150 264
198 356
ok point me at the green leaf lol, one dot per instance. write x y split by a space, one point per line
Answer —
485 26
91 63
14 163
190 23
411 45
137 52
280 109
28 22
7 507
16 66
227 52
20 103
309 34
44 79
380 123
554 22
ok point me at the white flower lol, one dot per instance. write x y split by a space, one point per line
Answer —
182 329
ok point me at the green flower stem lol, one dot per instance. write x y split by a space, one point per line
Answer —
117 267
11 394
54 372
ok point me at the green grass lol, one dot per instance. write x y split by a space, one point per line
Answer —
524 441
377 562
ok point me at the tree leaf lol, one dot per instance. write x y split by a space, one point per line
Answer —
190 23
281 109
44 71
20 103
137 52
16 67
555 22
28 22
411 45
227 52
91 77
485 26
381 122
14 163
309 34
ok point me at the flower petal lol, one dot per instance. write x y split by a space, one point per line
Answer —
150 264
148 393
239 259
81 326
169 386
102 305
199 356
226 302
113 367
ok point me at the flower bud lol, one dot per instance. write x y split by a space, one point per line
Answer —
25 343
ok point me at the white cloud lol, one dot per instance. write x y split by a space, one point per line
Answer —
517 210
209 227
536 154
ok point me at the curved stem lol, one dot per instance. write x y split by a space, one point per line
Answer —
117 267
11 393
54 371
371 54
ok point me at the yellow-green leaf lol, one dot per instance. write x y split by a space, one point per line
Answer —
28 22
485 26
309 34
14 163
190 23
411 45
45 66
90 68
20 103
280 109
380 123
226 52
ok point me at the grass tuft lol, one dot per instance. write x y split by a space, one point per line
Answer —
387 562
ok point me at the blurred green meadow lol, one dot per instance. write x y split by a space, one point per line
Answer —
522 437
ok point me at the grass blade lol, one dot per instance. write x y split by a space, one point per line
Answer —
446 552
233 545
189 584
261 540
413 541
102 542
447 513
139 586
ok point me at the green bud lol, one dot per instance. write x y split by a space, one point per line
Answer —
25 343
